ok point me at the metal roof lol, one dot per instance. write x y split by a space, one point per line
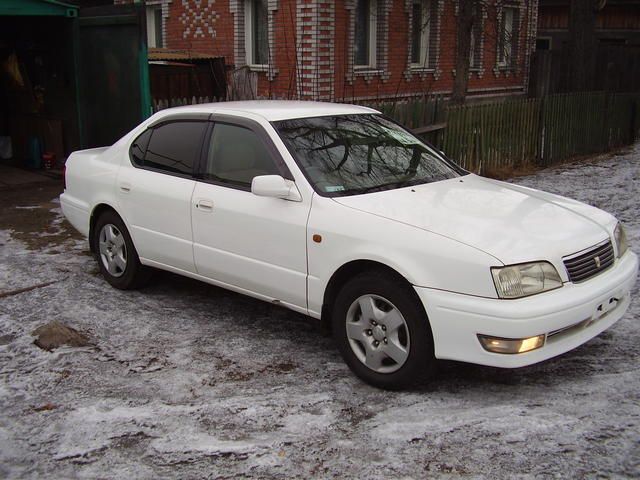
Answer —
159 54
38 8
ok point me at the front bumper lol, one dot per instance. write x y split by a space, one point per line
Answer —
568 316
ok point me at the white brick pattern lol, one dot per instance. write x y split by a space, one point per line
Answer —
315 34
198 18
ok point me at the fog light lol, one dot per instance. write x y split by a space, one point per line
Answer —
511 345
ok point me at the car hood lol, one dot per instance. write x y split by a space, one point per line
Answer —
513 224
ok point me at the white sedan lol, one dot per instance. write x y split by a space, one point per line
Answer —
339 213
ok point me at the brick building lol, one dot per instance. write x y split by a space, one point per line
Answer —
351 50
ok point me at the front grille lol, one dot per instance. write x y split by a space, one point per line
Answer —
585 264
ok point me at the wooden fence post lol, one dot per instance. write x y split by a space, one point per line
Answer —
541 131
605 128
632 123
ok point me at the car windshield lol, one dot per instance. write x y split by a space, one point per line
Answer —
351 154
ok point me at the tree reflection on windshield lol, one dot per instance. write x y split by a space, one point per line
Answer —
350 154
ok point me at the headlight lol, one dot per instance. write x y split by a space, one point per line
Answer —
526 279
621 239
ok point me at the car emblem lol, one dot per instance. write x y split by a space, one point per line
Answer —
597 260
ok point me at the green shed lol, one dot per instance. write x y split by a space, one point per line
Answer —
72 75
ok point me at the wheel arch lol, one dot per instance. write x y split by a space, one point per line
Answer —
98 210
349 270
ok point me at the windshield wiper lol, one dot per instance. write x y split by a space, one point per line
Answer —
385 186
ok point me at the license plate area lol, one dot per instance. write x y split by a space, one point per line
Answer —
602 309
605 307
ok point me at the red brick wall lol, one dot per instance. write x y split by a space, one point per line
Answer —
398 86
284 83
181 24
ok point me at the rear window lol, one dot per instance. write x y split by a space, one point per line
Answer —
171 147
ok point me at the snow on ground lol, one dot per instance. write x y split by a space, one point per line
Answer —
190 381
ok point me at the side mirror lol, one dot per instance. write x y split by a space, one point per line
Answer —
274 186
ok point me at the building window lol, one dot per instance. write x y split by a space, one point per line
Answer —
256 32
154 27
475 58
366 27
424 36
543 43
508 37
420 28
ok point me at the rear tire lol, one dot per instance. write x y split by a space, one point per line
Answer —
116 256
382 331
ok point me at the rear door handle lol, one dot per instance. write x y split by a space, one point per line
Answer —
125 187
205 205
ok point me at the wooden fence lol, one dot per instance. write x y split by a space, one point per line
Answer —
414 113
424 115
539 131
508 134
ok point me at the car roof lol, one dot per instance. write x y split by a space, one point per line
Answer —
273 110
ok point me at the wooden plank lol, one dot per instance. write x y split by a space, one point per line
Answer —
429 128
519 132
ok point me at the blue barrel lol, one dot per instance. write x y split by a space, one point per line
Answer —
34 154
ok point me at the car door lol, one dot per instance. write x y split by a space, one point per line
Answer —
254 244
154 191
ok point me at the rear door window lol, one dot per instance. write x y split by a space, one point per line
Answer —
173 147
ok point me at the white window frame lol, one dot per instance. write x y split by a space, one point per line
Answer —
472 49
373 37
425 44
476 42
505 55
152 28
248 36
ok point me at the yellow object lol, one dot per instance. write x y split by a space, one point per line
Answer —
511 345
12 68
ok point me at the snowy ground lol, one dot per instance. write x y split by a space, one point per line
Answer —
188 381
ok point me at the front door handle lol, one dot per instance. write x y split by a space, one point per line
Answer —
205 205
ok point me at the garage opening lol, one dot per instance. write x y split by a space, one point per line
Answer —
38 104
70 78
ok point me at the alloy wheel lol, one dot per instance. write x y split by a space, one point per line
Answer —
113 250
378 333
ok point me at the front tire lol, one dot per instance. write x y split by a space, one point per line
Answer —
382 331
116 256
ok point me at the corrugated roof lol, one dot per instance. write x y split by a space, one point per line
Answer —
158 54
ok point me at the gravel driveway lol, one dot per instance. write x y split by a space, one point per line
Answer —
185 380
